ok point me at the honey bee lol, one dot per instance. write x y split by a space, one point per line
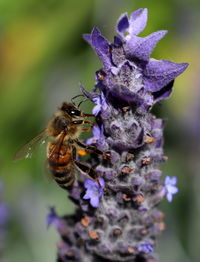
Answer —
64 130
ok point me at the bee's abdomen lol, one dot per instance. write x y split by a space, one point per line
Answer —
61 165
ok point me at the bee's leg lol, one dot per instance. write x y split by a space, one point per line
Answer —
74 152
86 129
85 168
89 115
89 122
92 149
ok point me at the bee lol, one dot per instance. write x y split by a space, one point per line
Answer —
64 130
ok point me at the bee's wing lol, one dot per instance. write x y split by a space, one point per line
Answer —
27 150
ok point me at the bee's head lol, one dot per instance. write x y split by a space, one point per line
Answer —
71 110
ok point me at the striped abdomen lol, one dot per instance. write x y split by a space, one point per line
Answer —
61 164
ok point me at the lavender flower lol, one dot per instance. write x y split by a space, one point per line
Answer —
146 248
94 191
100 104
97 136
125 223
170 187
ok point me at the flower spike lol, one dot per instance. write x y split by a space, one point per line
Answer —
117 219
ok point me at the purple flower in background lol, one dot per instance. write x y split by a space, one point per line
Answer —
3 220
170 187
94 191
3 214
146 248
122 221
3 208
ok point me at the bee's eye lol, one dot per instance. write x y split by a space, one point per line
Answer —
70 110
77 122
73 112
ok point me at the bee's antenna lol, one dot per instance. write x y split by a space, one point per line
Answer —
75 98
82 102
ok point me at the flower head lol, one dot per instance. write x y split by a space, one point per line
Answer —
94 191
129 57
170 187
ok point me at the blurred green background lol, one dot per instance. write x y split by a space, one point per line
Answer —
42 60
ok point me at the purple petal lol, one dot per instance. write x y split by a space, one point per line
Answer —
167 180
142 47
96 131
52 216
158 73
90 141
173 180
122 92
101 46
96 109
169 197
138 20
146 248
96 135
89 183
91 96
163 93
173 190
87 195
87 38
102 182
94 201
99 42
117 41
122 24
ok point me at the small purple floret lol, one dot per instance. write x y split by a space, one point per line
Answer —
101 104
93 191
52 216
170 187
97 136
146 248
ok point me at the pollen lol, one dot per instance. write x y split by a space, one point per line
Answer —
82 152
146 160
100 76
149 139
127 170
126 198
131 250
93 234
139 199
85 221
